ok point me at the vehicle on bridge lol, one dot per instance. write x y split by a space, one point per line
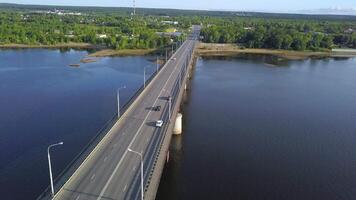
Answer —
157 108
159 123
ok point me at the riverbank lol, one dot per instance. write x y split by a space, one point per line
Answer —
213 49
125 52
56 46
102 51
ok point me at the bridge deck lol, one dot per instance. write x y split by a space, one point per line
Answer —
110 171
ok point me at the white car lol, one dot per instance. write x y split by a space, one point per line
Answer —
174 59
159 123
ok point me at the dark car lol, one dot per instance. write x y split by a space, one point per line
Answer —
157 108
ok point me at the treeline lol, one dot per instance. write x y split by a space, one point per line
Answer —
288 34
172 12
33 25
119 32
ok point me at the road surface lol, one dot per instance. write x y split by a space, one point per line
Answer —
111 171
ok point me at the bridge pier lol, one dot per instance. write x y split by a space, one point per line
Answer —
178 125
174 127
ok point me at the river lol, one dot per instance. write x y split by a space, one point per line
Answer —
256 127
43 101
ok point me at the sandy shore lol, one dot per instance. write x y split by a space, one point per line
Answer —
127 52
206 49
102 51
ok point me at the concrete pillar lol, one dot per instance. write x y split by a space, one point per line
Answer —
167 157
178 125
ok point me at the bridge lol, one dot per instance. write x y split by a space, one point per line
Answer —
112 169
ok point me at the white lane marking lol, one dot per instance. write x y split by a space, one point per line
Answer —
99 145
124 188
134 138
77 197
106 157
115 144
92 177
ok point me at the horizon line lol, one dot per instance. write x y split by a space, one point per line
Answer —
297 12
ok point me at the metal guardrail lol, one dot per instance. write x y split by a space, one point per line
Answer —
158 141
69 170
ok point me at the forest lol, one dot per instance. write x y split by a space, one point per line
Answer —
289 34
109 30
116 28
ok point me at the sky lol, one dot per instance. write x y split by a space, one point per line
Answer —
235 5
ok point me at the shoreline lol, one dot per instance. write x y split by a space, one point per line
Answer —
204 49
101 51
213 49
124 52
57 46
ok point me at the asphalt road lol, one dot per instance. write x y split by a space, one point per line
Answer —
111 171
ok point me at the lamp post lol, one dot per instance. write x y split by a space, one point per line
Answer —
50 166
144 77
141 160
118 100
157 64
166 54
169 107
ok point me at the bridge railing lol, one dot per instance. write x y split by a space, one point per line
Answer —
156 143
68 171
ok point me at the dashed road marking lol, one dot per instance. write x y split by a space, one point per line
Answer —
92 177
140 127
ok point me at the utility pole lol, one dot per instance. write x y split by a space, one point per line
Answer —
134 7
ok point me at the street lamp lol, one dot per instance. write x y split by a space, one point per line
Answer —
49 164
118 100
169 107
144 77
157 64
166 54
141 159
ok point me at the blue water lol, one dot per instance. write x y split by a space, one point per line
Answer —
44 101
257 128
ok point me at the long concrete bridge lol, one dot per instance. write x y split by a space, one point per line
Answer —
112 169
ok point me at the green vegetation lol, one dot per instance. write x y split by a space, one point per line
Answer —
114 28
40 27
289 34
